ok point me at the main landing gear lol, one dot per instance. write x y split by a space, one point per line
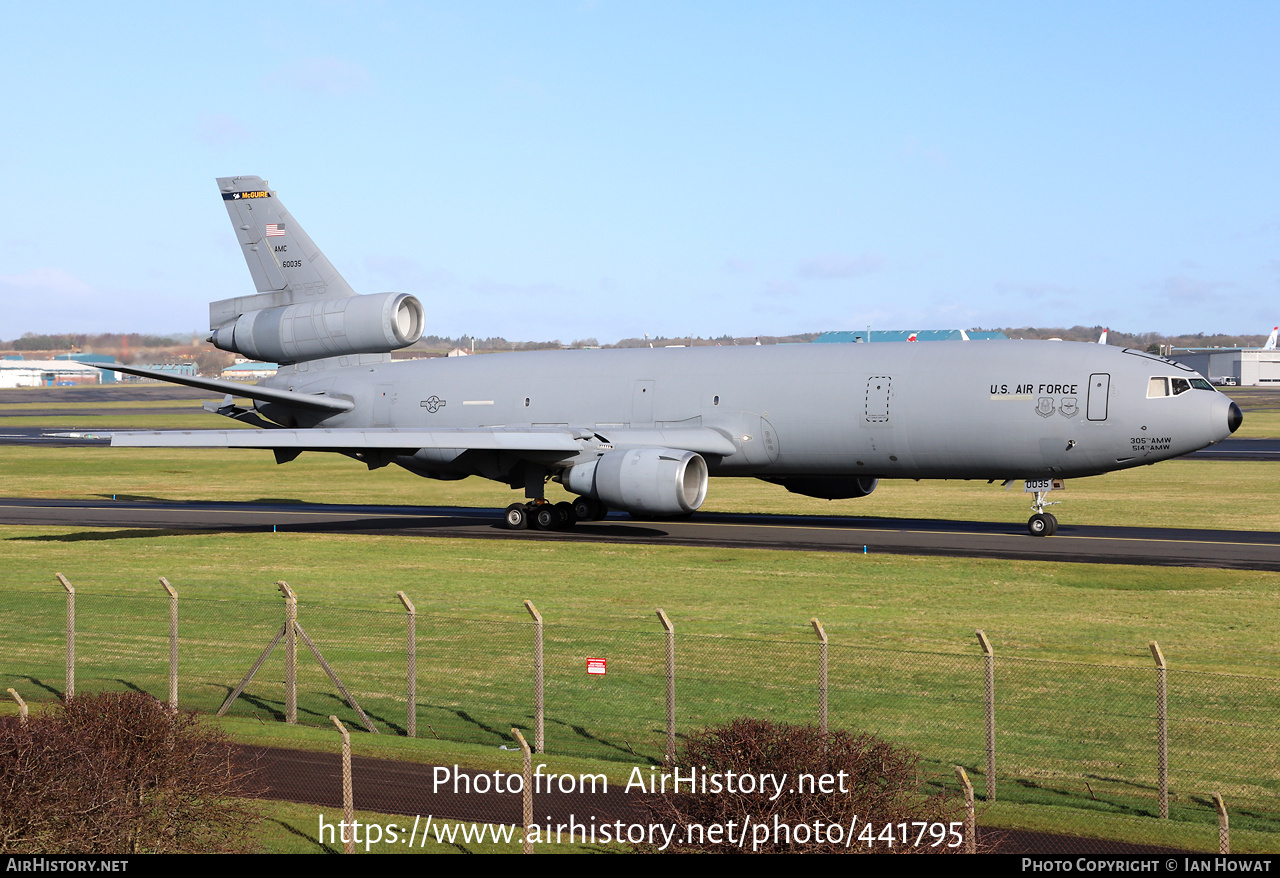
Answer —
1042 524
542 515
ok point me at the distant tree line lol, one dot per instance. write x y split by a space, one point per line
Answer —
31 341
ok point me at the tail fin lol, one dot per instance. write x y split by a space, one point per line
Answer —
1102 339
1271 341
286 265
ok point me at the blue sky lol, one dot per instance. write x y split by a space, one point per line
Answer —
545 170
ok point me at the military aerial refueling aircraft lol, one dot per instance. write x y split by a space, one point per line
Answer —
641 430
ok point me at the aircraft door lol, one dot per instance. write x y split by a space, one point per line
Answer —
1099 391
879 388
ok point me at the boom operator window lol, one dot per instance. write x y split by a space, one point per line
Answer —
1160 386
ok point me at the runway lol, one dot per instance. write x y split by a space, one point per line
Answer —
131 518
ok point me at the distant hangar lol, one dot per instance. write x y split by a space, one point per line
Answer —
1242 367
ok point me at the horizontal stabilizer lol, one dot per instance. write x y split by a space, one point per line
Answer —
237 388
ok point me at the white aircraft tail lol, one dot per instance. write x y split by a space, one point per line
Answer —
1271 340
1102 339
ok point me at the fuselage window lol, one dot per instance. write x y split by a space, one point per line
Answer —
1157 387
1180 385
1201 384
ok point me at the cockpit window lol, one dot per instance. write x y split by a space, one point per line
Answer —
1161 386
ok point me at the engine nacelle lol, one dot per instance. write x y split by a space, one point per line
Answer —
828 487
658 481
373 324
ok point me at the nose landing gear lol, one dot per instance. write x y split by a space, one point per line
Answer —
1042 524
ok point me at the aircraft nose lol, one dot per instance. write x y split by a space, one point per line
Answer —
1224 418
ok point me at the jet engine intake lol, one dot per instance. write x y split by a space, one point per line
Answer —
657 481
375 324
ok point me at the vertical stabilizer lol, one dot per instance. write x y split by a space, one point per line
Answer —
286 265
1271 340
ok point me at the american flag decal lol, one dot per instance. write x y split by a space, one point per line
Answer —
275 230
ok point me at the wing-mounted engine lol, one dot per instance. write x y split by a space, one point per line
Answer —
372 324
657 481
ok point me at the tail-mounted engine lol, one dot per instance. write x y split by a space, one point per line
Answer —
373 324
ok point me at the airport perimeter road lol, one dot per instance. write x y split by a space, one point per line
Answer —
1245 550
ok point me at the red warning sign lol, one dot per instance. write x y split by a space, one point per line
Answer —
596 666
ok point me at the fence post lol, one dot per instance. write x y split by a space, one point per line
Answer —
69 689
1224 827
348 805
411 670
173 643
526 794
671 685
989 662
22 705
539 708
970 828
822 673
290 652
1162 726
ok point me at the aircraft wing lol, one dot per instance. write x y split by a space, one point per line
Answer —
566 441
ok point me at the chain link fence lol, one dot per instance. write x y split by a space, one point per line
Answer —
1056 733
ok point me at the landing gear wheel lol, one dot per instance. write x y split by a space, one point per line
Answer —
1042 524
1053 523
546 517
517 517
568 517
586 509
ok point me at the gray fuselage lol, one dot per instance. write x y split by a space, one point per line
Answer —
949 410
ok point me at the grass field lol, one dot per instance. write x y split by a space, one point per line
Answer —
1074 673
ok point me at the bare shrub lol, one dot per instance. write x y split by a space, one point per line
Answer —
871 783
119 773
